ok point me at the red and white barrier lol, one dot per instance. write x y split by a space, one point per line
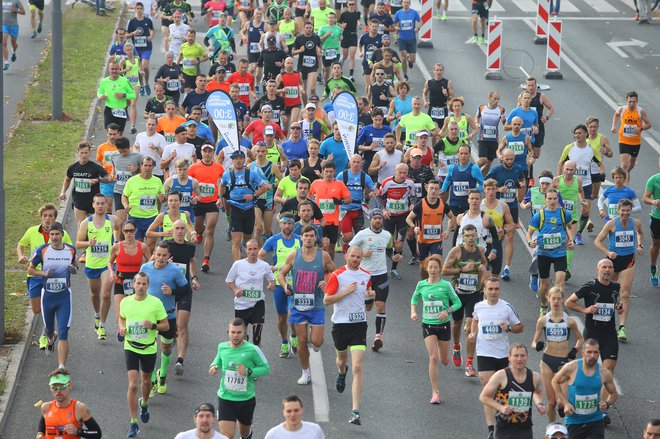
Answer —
553 52
494 50
427 24
542 15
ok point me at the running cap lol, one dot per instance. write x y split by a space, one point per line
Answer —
376 212
416 152
236 154
169 53
180 129
205 407
555 428
314 98
269 131
59 378
287 218
386 37
422 133
190 122
207 146
310 105
266 107
545 180
220 69
56 226
272 39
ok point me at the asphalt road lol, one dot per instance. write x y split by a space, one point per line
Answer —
396 391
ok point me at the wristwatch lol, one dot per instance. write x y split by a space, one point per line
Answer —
154 325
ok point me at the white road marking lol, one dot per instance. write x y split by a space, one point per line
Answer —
567 6
456 6
526 5
630 4
496 7
319 387
582 18
481 46
601 6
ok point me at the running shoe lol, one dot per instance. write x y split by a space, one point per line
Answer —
43 342
284 350
141 90
133 129
621 334
153 387
410 64
147 90
6 66
97 321
435 399
144 412
534 284
475 39
205 265
406 77
456 356
162 384
482 41
654 277
101 333
438 15
340 383
491 435
560 411
543 310
294 345
568 275
413 261
50 347
395 274
506 274
590 226
578 239
470 371
444 16
228 233
34 35
13 57
39 28
355 418
83 258
133 430
199 238
378 343
178 368
606 419
637 16
304 379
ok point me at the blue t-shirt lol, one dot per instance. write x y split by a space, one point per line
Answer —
241 110
271 244
401 106
222 143
509 178
354 185
170 275
240 189
552 236
295 150
530 118
369 134
297 230
336 148
370 45
142 29
407 21
204 131
614 195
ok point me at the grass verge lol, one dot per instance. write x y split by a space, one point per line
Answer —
39 150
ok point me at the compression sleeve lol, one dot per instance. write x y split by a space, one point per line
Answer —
601 202
42 425
92 429
637 206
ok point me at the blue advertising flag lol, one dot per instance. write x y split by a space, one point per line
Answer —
221 111
346 114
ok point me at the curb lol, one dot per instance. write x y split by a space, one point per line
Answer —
19 351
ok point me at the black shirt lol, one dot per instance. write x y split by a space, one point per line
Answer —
307 59
83 190
594 292
197 142
277 105
229 68
351 19
172 74
156 107
193 98
182 254
268 60
291 205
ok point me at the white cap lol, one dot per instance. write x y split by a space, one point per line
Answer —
268 130
555 428
310 105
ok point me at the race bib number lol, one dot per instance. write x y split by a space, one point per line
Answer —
357 317
520 402
586 404
418 190
489 132
246 4
127 286
491 330
396 206
148 202
518 148
551 241
123 176
235 382
432 309
581 171
630 130
556 332
140 41
438 112
327 206
624 239
170 137
243 89
119 112
406 24
254 47
330 53
460 188
303 302
133 79
468 282
604 313
252 295
432 231
509 196
309 61
612 210
83 185
207 189
100 250
173 85
569 206
291 92
188 63
216 15
55 285
136 331
452 160
186 197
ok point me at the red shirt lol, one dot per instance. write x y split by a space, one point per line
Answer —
213 85
245 82
256 127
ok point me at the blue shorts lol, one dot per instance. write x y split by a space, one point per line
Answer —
34 284
142 224
588 192
409 46
94 273
144 53
282 301
11 29
57 305
108 189
315 317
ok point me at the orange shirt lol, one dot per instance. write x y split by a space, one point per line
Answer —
103 153
167 126
630 130
212 86
207 176
58 417
322 192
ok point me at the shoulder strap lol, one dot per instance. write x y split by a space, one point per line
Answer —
541 218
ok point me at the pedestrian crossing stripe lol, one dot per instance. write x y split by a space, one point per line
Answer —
530 6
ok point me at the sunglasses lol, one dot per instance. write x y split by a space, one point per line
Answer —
380 74
128 230
56 387
295 128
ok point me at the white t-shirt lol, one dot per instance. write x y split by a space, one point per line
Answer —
392 160
367 239
183 151
309 430
143 140
191 434
492 340
250 278
147 6
177 37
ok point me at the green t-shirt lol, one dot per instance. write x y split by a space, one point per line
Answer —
143 196
108 87
653 186
234 386
320 17
435 299
190 52
332 42
33 239
413 123
135 312
288 187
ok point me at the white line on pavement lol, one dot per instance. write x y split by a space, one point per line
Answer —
563 18
481 46
319 387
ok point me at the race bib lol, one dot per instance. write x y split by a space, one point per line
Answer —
216 15
396 206
246 4
489 132
186 197
309 61
254 47
330 53
303 302
438 112
468 282
581 171
123 176
556 332
452 160
173 85
136 331
243 89
357 317
612 210
327 206
460 188
127 286
140 41
624 239
235 382
148 202
252 295
291 92
518 148
100 250
406 24
630 130
170 137
55 285
119 112
569 206
431 231
604 313
418 190
188 63
82 185
551 241
182 267
432 309
133 79
520 402
206 189
491 330
586 404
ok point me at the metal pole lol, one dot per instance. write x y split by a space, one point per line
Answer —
2 230
57 59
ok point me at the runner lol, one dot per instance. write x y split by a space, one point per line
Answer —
260 128
572 195
293 90
613 194
362 189
413 122
64 415
511 392
632 120
271 60
289 29
538 102
124 165
330 35
307 267
104 153
58 263
521 145
196 98
380 92
601 300
480 12
10 11
349 20
302 191
306 210
530 118
370 138
585 409
488 119
652 198
129 67
209 174
177 33
168 124
191 55
597 169
420 174
239 363
556 326
492 321
426 218
626 240
270 173
369 42
347 290
251 32
150 144
295 148
436 93
168 74
141 317
272 99
436 294
205 418
115 91
179 148
293 425
220 37
163 225
336 81
500 213
35 5
408 23
141 30
155 106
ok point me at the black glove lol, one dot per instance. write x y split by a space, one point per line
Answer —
572 354
337 201
539 346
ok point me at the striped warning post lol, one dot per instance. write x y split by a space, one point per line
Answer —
427 24
494 50
542 22
553 52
